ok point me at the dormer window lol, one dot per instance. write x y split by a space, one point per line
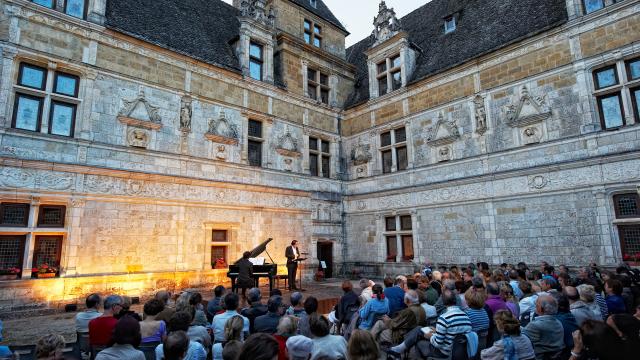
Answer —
256 60
389 75
592 5
449 24
312 33
75 8
314 3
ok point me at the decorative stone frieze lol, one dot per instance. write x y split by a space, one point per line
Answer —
257 10
288 146
222 131
443 132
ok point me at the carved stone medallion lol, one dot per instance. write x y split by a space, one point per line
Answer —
138 138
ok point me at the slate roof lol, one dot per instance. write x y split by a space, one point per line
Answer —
201 29
321 10
483 26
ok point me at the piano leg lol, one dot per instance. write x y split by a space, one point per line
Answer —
233 286
270 284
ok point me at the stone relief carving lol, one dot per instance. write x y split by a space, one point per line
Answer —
140 113
386 24
257 10
221 152
443 132
531 135
221 130
361 153
185 113
287 145
538 182
481 115
444 154
362 171
288 164
527 110
138 138
20 178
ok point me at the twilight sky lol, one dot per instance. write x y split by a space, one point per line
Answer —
357 15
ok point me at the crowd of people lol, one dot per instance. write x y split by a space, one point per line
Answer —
512 312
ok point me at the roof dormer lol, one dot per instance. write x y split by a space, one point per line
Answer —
391 59
255 48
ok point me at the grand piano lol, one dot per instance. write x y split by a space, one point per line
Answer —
267 270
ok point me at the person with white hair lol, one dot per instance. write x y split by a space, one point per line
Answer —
545 331
390 330
587 295
366 285
299 347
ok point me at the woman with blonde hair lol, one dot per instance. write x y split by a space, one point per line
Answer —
362 346
287 327
50 347
232 332
513 345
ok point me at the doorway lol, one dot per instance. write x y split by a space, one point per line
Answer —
325 253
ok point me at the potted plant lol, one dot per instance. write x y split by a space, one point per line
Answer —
44 271
407 258
391 258
11 273
632 259
220 264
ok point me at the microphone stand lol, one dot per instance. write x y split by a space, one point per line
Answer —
301 266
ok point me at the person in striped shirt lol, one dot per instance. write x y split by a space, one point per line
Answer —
475 299
450 324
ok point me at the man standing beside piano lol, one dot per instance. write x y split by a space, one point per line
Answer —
292 255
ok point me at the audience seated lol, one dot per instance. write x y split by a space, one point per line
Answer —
268 323
394 292
310 308
198 333
152 330
5 352
545 331
297 306
214 307
579 308
126 340
615 302
324 344
101 328
169 310
259 346
231 303
299 348
231 350
232 332
180 321
176 345
596 340
475 299
256 307
366 287
200 317
287 327
374 309
388 330
512 344
362 346
627 327
566 318
91 312
347 305
50 347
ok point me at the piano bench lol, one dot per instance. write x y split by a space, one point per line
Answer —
282 277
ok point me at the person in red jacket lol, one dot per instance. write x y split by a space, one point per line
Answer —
101 328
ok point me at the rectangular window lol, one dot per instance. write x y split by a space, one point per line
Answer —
393 143
630 241
51 216
407 248
626 205
401 156
255 129
76 8
14 215
385 139
611 113
387 162
62 119
319 158
390 224
318 86
392 249
633 69
65 84
255 153
635 102
47 3
389 72
396 80
592 5
312 33
32 76
383 86
11 254
219 240
405 222
255 61
46 254
606 77
398 230
449 24
27 112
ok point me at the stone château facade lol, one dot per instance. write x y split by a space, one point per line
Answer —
146 143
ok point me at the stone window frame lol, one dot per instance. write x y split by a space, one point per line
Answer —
622 223
232 230
318 84
321 154
256 139
452 19
255 60
393 148
399 233
311 33
47 96
61 7
625 89
388 72
605 3
31 231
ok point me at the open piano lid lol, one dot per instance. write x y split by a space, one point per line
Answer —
259 250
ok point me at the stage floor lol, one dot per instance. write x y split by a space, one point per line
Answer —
27 330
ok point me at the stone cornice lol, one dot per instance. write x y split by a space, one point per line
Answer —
298 43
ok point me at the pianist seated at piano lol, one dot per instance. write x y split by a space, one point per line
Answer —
260 269
245 273
231 304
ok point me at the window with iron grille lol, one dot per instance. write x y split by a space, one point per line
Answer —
14 215
254 145
219 247
319 157
11 254
393 148
47 252
399 235
51 216
627 210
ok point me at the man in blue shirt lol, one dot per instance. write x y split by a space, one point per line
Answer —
395 294
231 303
